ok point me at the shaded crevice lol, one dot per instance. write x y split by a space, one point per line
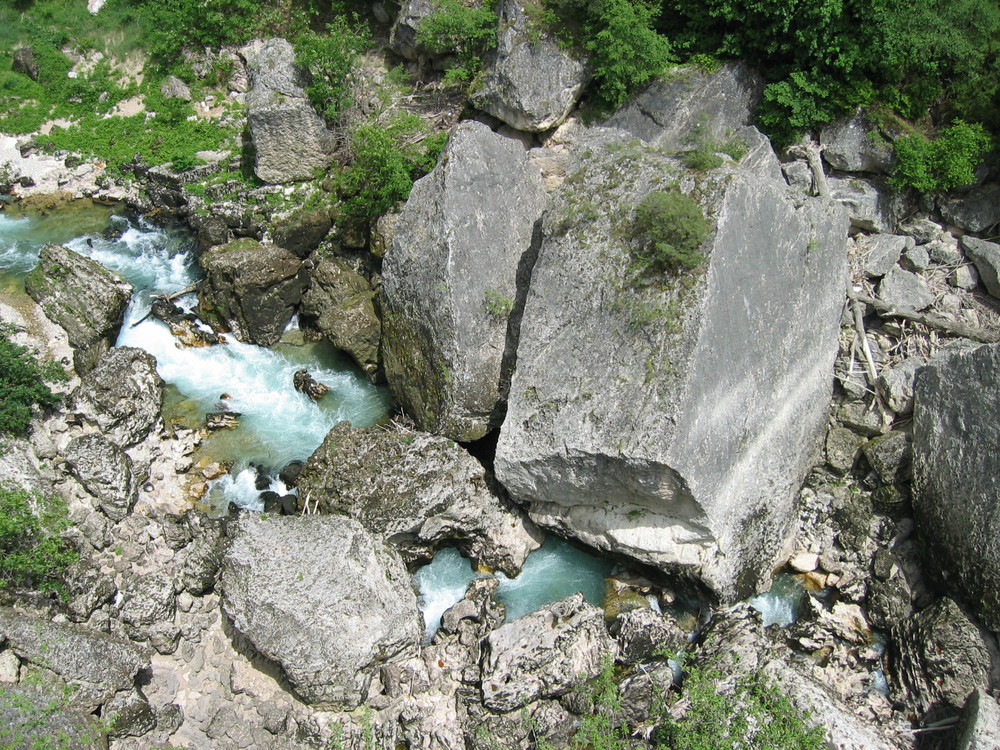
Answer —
508 362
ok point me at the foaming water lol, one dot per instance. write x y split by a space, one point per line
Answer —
278 424
780 604
552 572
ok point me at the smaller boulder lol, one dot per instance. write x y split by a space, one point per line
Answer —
105 470
853 144
545 654
881 252
976 211
903 290
174 88
891 456
83 297
986 256
24 62
307 384
980 724
897 384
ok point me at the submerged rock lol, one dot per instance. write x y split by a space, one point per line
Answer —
459 263
416 491
956 472
251 289
290 140
531 82
122 396
323 599
672 417
83 297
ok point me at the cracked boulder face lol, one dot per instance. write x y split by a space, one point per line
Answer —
453 281
671 417
323 599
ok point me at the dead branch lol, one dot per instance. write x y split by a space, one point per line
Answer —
932 320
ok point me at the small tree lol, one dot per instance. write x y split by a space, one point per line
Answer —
330 59
32 554
670 227
948 161
23 383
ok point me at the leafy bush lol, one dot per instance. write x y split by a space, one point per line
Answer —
948 161
671 227
747 712
31 552
23 384
330 58
466 32
387 159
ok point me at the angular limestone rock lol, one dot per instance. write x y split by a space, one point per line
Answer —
854 144
672 421
531 83
83 297
956 471
251 289
122 396
986 256
452 281
321 597
416 490
106 471
290 140
342 302
544 654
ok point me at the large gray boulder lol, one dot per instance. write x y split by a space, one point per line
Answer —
458 264
975 211
530 82
980 725
342 305
672 419
83 297
854 144
956 471
403 35
323 598
122 396
251 289
290 139
105 470
416 491
691 103
545 654
99 664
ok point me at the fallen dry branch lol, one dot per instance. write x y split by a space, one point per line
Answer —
932 320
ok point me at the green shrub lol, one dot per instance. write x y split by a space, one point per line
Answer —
23 384
948 161
386 160
463 31
744 713
670 227
31 552
330 58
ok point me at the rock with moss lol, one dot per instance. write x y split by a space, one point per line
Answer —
251 289
290 140
459 263
531 82
322 598
417 491
83 297
302 231
97 664
341 303
668 411
956 472
33 714
122 396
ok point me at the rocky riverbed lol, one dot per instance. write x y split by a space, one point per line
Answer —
816 395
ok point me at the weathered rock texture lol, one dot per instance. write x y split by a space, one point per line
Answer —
403 37
83 297
290 140
692 104
122 396
451 282
416 491
531 83
31 715
251 289
342 302
321 597
673 421
854 144
544 654
105 470
956 471
986 256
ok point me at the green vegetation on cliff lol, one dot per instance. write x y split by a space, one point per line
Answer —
32 554
23 384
